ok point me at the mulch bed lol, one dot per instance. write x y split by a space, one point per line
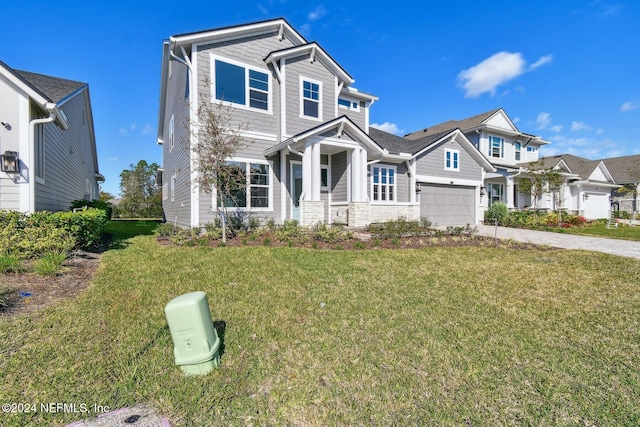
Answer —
75 276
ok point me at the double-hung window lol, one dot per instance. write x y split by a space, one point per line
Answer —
451 160
348 104
244 184
241 85
518 148
310 99
495 193
496 146
383 184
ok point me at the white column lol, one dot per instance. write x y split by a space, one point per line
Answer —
307 171
363 175
315 167
508 188
283 186
356 176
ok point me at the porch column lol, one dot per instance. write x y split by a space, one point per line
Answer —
358 175
316 174
508 188
307 172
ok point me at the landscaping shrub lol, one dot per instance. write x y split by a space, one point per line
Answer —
497 212
397 228
10 263
97 204
167 229
331 234
50 263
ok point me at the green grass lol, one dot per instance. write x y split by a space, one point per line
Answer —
50 263
599 229
439 336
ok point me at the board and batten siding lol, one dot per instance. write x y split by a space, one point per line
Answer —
250 51
69 168
176 159
431 163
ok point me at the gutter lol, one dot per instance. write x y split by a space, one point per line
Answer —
51 109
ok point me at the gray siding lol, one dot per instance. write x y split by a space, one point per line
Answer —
300 66
12 106
250 51
176 160
403 183
432 163
357 117
339 178
69 159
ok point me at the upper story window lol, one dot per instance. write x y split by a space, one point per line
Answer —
518 148
348 104
451 160
241 85
531 149
310 98
496 146
383 184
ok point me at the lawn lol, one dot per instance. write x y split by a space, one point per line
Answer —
599 229
436 336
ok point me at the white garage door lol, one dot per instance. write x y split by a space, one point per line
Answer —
596 206
447 204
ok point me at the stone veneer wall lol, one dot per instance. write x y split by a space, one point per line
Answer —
382 213
312 212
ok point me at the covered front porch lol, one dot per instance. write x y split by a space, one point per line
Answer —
324 174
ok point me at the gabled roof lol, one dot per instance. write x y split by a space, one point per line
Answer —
46 91
476 122
235 31
625 169
342 123
397 145
578 166
315 51
54 89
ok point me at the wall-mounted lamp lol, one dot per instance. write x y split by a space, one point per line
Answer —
6 125
418 188
585 196
10 162
483 191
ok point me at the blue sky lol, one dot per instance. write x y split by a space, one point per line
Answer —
565 70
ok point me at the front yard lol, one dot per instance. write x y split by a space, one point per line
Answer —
445 336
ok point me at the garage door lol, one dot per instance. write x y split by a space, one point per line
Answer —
448 204
596 206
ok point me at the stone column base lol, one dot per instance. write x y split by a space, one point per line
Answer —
359 214
312 212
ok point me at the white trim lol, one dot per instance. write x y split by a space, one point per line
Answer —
448 181
381 185
455 160
171 133
247 68
303 79
283 100
283 185
291 164
351 102
270 137
247 162
193 140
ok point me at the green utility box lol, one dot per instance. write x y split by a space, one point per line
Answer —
195 340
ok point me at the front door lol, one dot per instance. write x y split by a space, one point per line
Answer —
296 189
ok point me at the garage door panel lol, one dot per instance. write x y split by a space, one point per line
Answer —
448 205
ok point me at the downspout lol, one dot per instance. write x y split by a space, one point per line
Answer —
32 154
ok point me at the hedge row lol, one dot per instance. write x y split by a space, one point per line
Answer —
29 236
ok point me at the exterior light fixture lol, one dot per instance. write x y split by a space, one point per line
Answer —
483 191
10 162
6 125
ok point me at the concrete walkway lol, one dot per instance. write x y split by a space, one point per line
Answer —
624 248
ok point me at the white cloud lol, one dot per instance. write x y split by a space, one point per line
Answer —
540 62
305 29
122 131
133 126
576 126
629 106
319 12
543 120
490 73
556 128
599 131
516 120
263 9
388 127
112 159
147 130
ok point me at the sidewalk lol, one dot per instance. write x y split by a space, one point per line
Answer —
624 248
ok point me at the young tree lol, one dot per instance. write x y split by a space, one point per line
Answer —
541 180
218 139
140 196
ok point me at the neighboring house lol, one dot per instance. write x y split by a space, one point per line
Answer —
626 172
496 136
311 155
586 189
47 142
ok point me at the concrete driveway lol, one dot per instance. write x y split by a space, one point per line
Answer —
624 248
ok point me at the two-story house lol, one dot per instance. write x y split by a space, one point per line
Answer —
47 142
508 149
310 154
